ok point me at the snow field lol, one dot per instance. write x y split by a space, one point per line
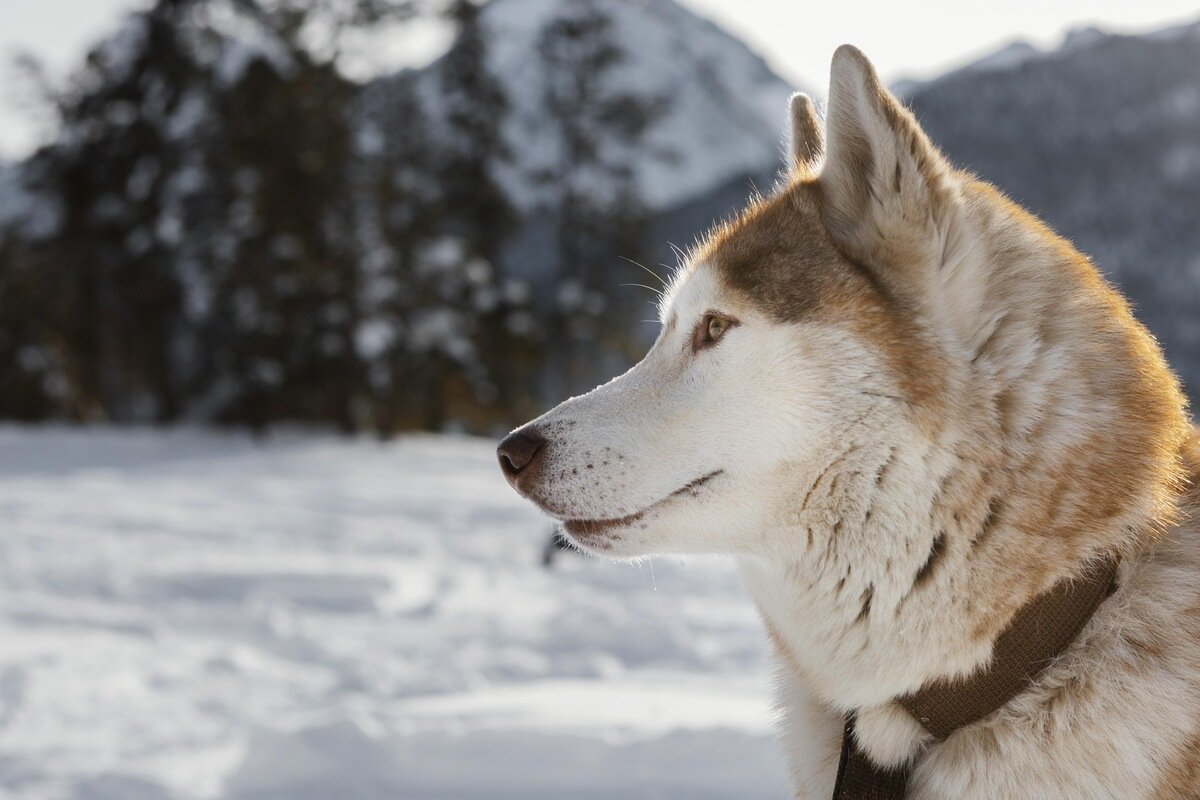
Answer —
197 615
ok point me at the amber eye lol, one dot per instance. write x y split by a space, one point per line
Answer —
710 330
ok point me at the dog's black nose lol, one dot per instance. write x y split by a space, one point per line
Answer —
520 453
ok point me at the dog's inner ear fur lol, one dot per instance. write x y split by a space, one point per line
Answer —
882 181
806 139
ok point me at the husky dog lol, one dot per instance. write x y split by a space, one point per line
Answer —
907 408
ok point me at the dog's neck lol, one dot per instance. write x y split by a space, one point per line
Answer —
907 562
873 593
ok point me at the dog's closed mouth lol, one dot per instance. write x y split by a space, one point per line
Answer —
584 528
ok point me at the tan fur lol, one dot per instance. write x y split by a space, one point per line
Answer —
806 142
779 255
1174 647
1060 430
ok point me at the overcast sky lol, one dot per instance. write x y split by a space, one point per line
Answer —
904 39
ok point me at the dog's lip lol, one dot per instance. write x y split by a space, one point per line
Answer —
592 527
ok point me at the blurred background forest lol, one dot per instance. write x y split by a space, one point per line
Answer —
226 228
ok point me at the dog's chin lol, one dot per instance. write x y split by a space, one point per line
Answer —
627 536
611 538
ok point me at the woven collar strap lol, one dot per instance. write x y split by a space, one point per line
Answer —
1038 634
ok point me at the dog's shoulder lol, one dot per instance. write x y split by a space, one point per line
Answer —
1161 636
1118 715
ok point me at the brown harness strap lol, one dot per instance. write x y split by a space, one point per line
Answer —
859 779
1037 635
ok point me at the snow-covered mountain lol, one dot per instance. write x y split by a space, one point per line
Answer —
722 108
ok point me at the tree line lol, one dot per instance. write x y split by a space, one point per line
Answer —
226 228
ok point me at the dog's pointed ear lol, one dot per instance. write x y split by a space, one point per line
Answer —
805 139
882 182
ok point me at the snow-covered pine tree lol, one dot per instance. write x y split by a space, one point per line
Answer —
203 259
114 314
285 291
504 338
410 336
598 217
30 369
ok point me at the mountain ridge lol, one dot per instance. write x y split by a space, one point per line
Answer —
696 145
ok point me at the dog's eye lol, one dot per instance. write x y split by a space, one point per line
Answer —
710 330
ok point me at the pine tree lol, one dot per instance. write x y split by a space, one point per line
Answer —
285 301
118 307
29 374
204 262
478 212
405 364
597 213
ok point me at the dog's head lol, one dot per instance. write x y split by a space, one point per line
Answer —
879 303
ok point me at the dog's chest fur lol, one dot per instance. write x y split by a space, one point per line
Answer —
1116 716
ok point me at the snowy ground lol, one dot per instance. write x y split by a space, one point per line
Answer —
193 615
